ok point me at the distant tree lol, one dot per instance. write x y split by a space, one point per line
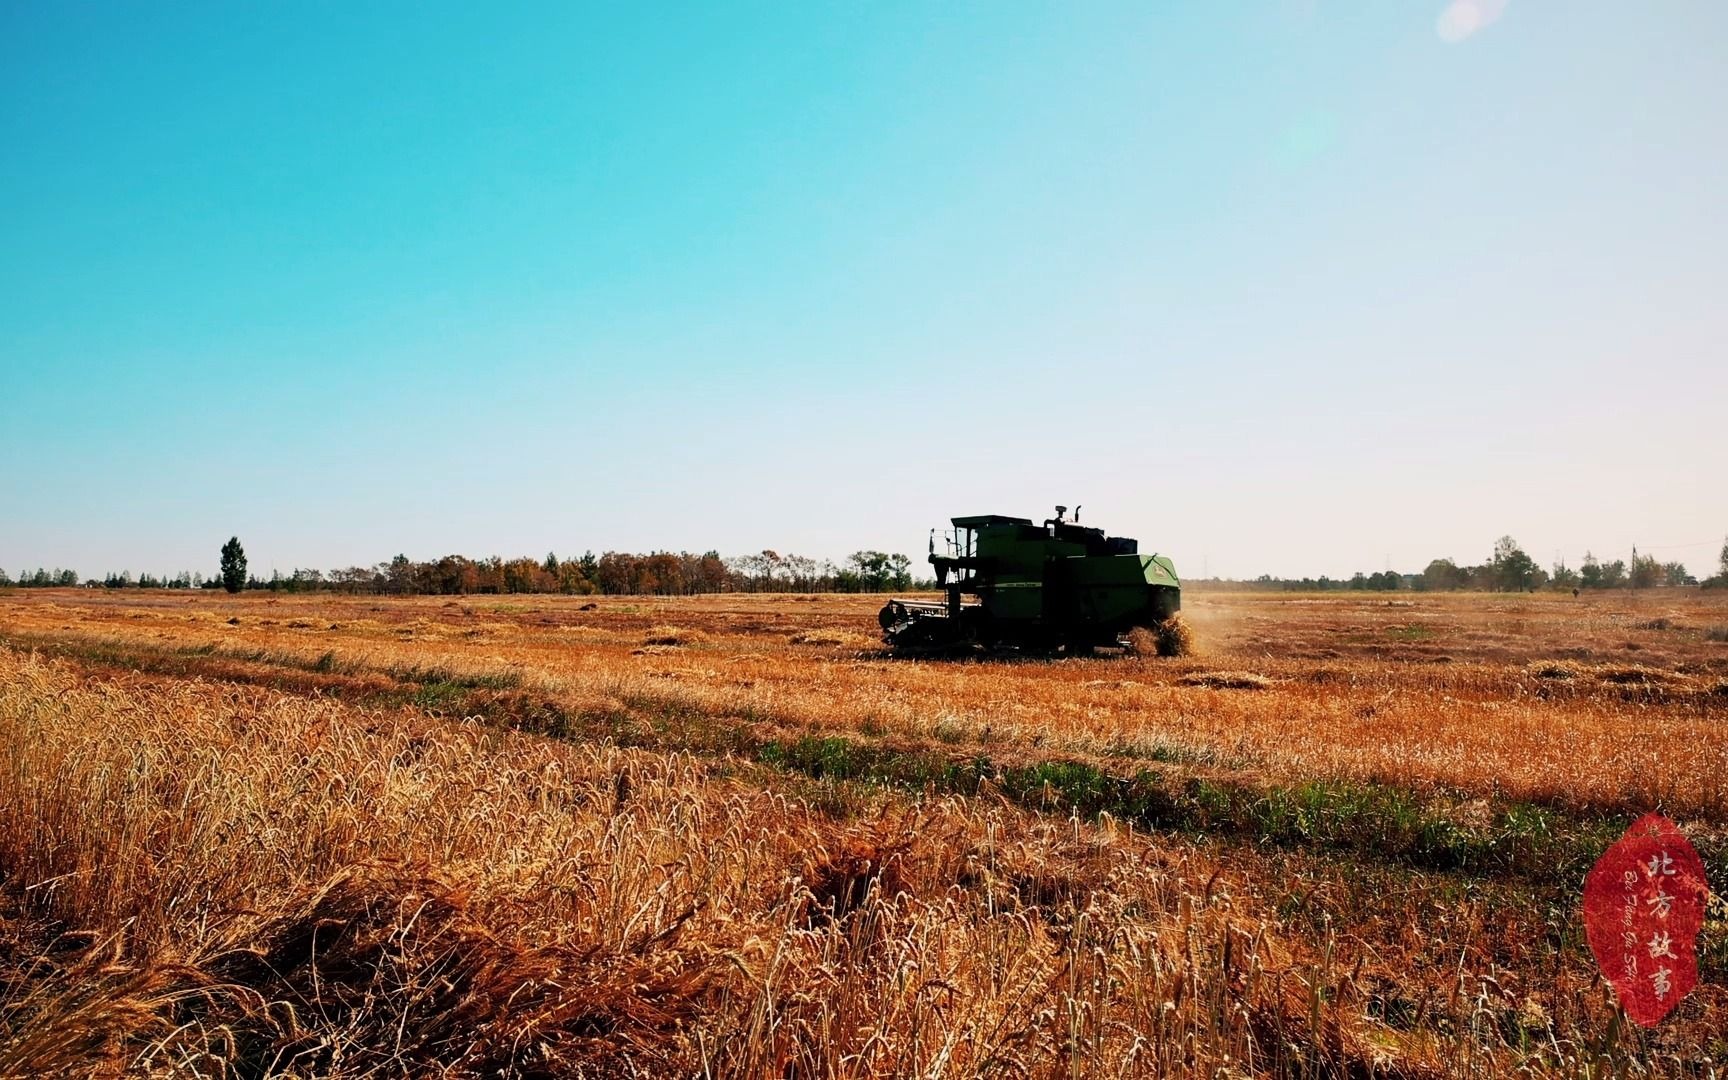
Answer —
1563 576
1512 568
525 575
572 580
748 570
1646 571
1722 563
489 575
4 580
899 572
1674 573
453 574
1613 574
233 565
307 580
1442 574
614 573
771 565
551 564
874 571
800 573
709 573
398 575
666 571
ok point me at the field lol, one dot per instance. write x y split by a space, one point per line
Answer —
728 836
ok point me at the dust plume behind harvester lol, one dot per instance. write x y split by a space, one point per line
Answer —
1055 587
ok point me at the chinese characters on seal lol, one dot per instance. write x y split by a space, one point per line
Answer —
1643 907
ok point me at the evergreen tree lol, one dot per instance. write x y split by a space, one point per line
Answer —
233 565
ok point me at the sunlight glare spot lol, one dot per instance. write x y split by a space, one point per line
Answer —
1462 18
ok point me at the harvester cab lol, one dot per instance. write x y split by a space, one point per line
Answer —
1056 586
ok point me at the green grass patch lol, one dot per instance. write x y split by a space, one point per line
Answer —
1381 821
437 676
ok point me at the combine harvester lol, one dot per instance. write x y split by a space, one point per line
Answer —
1055 587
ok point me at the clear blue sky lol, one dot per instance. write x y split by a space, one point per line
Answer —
1287 287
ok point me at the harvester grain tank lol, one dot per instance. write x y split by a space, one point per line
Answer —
1058 586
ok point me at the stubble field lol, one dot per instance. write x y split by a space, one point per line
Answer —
545 836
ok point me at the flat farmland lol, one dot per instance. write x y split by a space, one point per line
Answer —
729 835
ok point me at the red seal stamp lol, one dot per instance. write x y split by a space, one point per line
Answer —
1643 907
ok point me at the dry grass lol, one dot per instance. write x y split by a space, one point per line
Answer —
325 839
331 890
1226 680
673 635
1172 637
843 638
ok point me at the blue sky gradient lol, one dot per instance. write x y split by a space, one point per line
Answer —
1289 287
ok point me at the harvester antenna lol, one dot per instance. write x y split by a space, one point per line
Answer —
1076 513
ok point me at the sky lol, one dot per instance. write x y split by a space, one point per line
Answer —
1286 287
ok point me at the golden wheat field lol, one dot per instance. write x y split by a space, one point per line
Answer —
728 836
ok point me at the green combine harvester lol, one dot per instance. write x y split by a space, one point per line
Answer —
1055 587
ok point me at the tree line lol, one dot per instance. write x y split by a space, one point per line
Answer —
42 578
664 573
660 573
1510 569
